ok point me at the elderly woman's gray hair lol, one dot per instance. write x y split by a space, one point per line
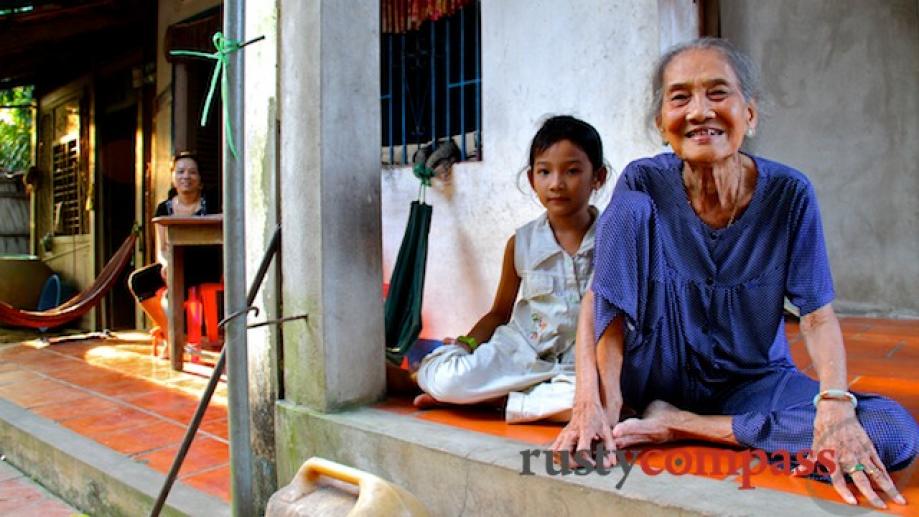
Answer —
744 68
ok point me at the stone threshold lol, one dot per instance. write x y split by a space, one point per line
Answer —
90 476
459 472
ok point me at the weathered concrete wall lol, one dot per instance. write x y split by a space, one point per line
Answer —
330 201
262 205
842 81
456 472
591 59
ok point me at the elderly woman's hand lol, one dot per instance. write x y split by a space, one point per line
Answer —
589 422
837 429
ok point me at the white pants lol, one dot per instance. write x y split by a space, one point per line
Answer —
535 389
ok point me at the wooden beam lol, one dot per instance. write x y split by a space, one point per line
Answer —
64 54
27 37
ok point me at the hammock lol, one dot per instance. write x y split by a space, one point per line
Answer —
402 310
79 304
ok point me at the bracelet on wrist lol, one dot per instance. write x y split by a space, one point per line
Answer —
469 341
836 395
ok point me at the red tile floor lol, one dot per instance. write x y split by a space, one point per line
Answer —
21 496
883 357
117 394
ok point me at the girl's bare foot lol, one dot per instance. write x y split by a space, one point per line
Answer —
425 401
656 425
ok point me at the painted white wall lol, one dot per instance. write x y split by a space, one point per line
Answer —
591 59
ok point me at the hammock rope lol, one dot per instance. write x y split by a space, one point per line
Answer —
80 304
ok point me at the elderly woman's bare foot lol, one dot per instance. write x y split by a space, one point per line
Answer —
656 425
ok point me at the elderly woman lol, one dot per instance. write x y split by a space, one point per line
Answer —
683 324
148 284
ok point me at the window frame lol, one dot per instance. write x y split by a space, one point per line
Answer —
442 85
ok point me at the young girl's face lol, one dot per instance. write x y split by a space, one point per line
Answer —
563 178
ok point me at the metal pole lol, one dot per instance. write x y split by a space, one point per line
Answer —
215 376
234 270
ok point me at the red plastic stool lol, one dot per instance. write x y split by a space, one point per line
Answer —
192 317
210 299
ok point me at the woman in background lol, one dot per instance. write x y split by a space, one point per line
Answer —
148 285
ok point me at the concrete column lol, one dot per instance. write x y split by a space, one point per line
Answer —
262 215
330 202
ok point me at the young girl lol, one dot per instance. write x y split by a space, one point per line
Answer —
524 351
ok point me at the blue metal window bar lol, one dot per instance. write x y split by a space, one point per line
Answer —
431 52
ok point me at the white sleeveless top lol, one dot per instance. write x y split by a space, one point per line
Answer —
552 284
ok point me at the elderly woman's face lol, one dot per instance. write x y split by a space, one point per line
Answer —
704 115
185 176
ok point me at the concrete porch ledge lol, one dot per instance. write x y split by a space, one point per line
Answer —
88 475
459 472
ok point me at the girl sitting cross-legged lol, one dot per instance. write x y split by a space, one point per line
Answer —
521 353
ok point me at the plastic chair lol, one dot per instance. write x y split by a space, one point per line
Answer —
50 296
50 293
202 305
211 296
193 311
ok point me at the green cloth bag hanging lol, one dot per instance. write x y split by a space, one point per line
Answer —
402 309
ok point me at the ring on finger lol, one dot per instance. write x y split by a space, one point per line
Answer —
858 467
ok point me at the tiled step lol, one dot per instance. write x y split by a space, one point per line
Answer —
115 393
20 495
89 475
68 407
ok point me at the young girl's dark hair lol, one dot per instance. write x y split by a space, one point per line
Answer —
566 127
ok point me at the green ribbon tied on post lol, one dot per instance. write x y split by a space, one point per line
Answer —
224 47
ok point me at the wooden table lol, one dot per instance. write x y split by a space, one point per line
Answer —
182 232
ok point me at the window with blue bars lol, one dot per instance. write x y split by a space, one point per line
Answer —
431 87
